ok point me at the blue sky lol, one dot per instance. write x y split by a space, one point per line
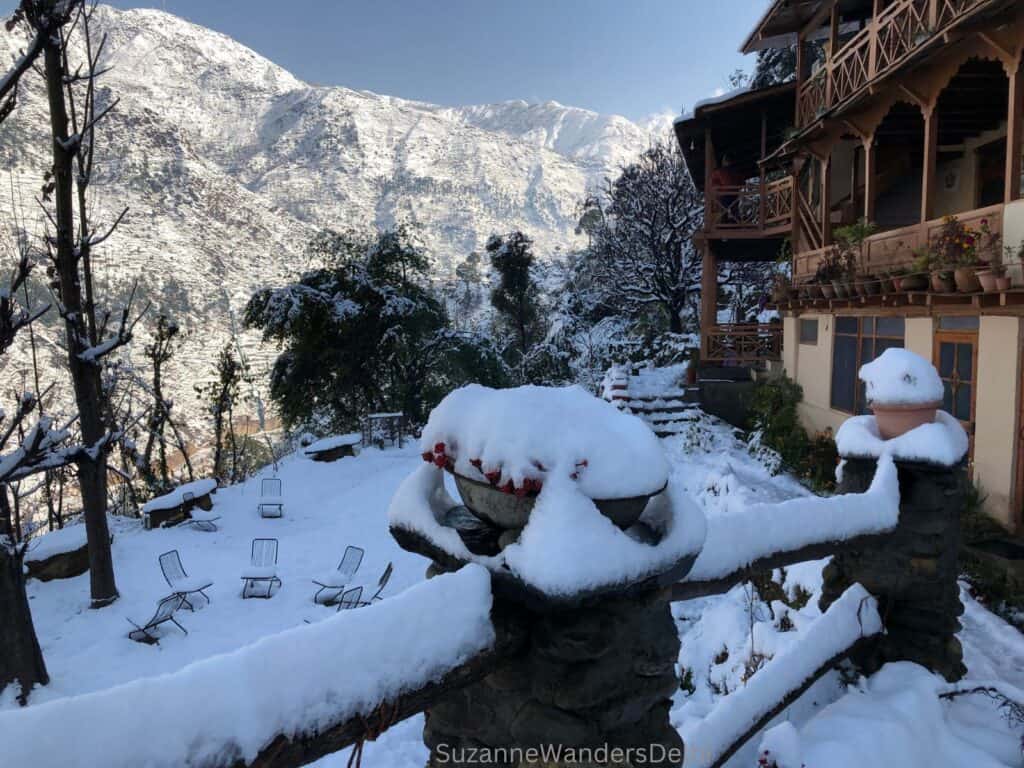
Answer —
630 57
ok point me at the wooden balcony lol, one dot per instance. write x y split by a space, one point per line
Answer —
895 247
879 48
742 343
754 209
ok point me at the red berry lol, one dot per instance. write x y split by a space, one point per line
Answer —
508 487
439 448
521 491
427 456
440 460
493 476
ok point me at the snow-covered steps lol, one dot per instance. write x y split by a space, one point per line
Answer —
656 395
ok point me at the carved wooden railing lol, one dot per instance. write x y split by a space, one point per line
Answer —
751 206
880 47
895 247
743 343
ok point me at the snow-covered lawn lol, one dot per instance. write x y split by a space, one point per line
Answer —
896 715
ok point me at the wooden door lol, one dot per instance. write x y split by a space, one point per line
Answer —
956 359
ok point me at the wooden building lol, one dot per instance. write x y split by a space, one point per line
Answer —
902 114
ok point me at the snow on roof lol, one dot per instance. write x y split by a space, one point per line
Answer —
224 708
335 441
56 543
175 498
539 432
567 546
901 377
942 442
721 98
736 538
852 616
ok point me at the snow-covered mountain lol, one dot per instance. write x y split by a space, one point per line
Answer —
228 164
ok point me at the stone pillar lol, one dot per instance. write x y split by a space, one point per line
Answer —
913 572
595 676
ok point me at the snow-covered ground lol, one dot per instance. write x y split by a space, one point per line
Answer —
894 719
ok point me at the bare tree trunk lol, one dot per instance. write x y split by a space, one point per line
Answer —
85 374
22 658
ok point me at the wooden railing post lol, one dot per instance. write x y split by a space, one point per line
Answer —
870 184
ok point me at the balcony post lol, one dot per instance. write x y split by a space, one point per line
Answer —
709 166
826 201
708 297
763 203
1014 126
870 185
931 142
873 39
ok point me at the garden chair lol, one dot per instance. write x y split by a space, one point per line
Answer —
340 576
381 583
164 612
271 504
179 581
350 598
199 519
262 569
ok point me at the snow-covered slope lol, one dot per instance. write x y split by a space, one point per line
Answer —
229 164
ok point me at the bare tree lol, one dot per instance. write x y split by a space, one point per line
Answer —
641 236
29 444
159 352
59 31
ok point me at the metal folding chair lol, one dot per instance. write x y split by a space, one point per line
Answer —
271 504
201 520
350 598
178 579
381 583
164 612
262 568
340 577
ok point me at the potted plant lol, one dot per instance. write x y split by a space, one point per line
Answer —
990 274
849 245
903 389
691 368
917 278
827 275
895 279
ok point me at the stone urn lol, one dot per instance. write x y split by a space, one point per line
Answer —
512 510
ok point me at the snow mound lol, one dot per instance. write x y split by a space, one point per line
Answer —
227 707
56 542
175 498
942 442
901 377
535 433
568 546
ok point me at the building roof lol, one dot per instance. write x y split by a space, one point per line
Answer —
735 121
784 18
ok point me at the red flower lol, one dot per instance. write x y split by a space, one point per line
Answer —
440 460
439 448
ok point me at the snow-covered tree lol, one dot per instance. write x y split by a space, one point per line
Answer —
642 231
364 332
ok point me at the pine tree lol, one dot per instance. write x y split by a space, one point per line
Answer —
516 297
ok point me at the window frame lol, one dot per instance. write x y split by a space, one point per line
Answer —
800 331
859 404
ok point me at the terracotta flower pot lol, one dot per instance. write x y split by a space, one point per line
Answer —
988 279
943 282
895 420
966 280
1003 283
871 286
914 283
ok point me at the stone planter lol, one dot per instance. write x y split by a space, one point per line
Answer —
967 280
63 565
895 420
510 511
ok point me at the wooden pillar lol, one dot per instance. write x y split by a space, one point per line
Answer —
709 165
1014 126
803 66
870 184
826 201
763 203
708 297
931 145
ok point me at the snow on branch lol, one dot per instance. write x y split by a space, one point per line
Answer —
741 714
267 702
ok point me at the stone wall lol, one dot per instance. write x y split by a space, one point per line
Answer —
591 677
913 572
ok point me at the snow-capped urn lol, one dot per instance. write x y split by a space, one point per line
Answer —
903 389
504 445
